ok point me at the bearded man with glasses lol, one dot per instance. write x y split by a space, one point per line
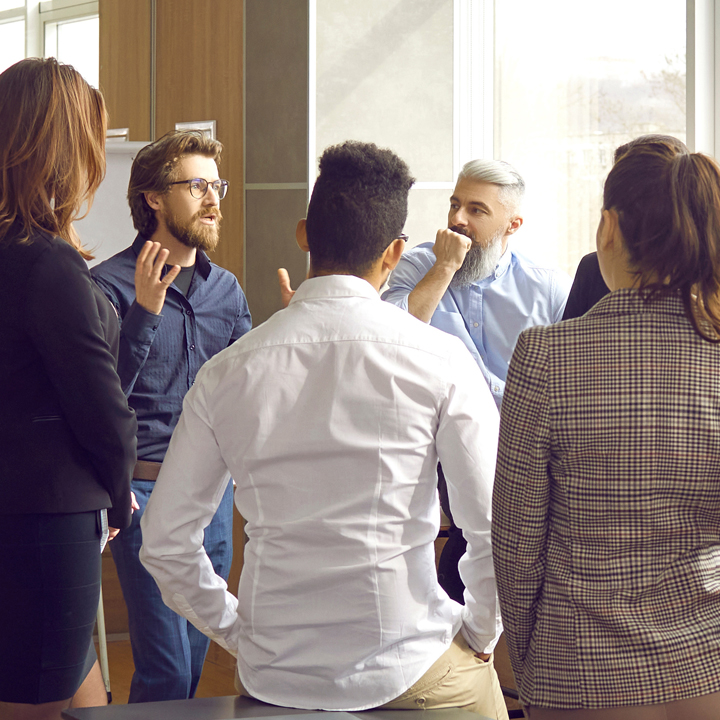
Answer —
176 310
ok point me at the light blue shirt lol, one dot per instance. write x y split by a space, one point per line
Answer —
489 315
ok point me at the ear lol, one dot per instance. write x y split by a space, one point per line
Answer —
153 200
515 225
393 253
609 237
301 235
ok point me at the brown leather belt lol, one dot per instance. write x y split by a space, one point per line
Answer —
146 470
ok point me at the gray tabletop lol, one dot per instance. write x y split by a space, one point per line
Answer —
225 708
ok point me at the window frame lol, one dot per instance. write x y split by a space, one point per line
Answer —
40 13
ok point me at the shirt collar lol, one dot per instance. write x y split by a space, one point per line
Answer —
202 262
338 286
503 263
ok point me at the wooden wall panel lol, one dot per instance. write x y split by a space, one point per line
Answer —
199 72
125 40
199 50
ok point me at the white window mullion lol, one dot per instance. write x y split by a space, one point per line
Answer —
703 76
473 80
33 29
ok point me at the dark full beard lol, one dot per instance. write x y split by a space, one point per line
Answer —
194 234
480 262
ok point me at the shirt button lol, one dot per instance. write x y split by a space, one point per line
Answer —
475 324
189 312
192 347
496 388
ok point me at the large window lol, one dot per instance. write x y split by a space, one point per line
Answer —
573 81
12 32
65 29
552 87
12 42
75 41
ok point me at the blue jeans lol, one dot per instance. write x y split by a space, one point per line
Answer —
168 651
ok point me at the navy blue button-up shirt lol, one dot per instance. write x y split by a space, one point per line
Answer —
160 355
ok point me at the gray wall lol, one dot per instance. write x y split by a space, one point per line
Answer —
382 73
276 142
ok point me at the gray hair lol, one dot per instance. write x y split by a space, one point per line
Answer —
500 173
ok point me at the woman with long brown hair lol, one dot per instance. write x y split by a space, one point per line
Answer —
606 512
67 436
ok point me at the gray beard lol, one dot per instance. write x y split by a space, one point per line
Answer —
479 263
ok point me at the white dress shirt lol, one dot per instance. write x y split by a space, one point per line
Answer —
331 416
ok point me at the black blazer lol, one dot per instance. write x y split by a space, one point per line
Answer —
587 288
67 436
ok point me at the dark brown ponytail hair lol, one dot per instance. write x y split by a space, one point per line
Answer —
668 205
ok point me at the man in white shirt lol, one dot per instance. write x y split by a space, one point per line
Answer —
331 417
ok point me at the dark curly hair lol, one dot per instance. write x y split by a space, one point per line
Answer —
358 206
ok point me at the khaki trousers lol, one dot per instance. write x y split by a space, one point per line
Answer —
457 679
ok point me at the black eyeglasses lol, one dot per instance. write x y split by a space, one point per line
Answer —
403 236
199 187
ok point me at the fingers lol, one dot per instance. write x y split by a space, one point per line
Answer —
151 259
150 284
170 275
451 248
286 291
134 505
453 239
284 279
112 532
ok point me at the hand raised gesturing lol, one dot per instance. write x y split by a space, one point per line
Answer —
150 287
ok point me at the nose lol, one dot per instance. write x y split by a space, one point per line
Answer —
457 217
211 196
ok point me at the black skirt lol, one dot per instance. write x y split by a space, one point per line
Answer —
49 590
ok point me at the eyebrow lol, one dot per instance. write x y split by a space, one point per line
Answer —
473 203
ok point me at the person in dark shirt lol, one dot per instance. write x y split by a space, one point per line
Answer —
177 310
587 288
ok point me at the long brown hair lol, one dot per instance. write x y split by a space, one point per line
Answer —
52 147
668 205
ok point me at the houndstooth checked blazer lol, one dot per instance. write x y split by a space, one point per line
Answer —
606 510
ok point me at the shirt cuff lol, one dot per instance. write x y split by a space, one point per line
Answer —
140 324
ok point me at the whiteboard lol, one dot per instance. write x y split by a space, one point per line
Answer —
108 228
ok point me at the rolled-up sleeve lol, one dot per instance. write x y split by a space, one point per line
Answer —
408 273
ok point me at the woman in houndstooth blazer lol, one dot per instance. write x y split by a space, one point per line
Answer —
606 513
